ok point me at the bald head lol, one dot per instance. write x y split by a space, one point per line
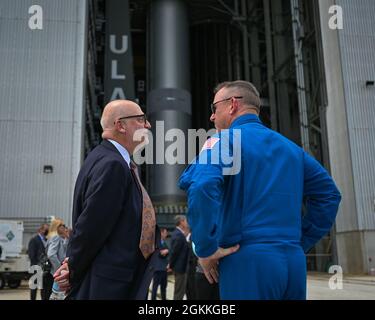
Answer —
126 132
117 109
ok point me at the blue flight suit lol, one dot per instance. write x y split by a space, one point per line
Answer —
259 206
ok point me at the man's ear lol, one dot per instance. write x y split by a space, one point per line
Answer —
234 106
120 127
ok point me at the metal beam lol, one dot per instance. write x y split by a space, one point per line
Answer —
300 74
270 66
245 42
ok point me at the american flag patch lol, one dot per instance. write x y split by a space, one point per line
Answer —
210 143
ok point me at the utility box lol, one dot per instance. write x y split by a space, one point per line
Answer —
14 264
11 236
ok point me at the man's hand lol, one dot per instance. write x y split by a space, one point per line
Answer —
210 263
164 252
61 276
169 270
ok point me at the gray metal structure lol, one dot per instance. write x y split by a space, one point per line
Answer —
350 72
95 85
42 89
169 98
119 74
298 37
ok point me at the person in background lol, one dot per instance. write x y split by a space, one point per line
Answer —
179 256
191 289
36 252
160 273
68 233
56 253
52 237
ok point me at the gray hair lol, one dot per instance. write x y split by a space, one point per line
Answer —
179 218
245 89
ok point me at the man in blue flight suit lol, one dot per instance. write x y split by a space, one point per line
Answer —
247 219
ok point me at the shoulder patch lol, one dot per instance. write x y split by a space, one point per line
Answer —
210 143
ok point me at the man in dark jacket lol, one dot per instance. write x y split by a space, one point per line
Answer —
37 253
160 273
191 289
113 218
178 260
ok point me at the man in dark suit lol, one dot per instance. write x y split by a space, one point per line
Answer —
37 252
178 260
191 289
113 218
160 271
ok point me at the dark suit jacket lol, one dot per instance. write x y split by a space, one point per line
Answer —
104 257
162 261
179 254
36 250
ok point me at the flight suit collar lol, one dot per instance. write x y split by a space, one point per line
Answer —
245 119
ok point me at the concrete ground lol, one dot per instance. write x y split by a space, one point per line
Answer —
353 288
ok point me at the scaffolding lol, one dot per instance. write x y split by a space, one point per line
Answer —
94 74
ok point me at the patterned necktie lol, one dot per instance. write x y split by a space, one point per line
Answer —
147 241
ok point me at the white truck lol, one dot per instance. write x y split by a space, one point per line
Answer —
14 264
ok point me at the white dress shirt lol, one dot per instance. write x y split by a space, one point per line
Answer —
124 153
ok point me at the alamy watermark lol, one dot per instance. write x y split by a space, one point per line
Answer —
174 147
336 22
36 280
36 18
336 281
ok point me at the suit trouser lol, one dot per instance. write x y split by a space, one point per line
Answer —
271 271
33 294
47 286
160 278
179 285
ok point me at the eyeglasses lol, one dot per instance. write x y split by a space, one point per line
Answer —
141 117
213 105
